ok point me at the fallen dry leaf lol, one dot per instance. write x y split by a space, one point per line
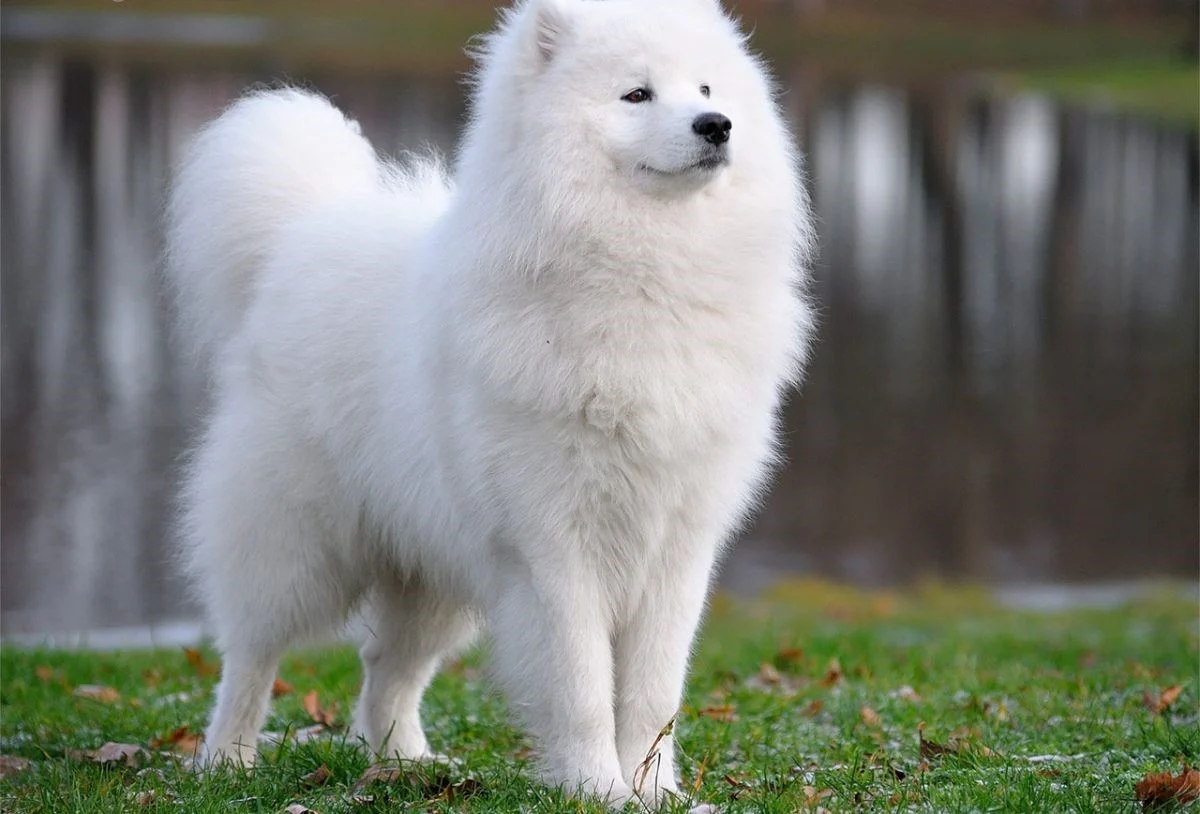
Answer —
700 774
430 781
833 674
1161 788
813 795
768 674
128 753
869 716
769 679
928 749
11 764
381 773
181 740
962 741
45 674
1164 700
790 655
280 687
96 692
200 666
467 787
323 715
318 777
149 797
813 707
723 712
740 787
300 808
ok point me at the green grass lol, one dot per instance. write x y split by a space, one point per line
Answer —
1164 88
996 687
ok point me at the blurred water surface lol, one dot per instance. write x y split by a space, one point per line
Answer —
1005 388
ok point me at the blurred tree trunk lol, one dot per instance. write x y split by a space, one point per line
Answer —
963 540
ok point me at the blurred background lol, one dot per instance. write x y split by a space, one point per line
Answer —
1006 386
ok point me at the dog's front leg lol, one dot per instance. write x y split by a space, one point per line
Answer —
652 648
553 655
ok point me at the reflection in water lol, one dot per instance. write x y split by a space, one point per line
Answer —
1006 385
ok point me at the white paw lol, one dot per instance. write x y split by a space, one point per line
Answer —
208 759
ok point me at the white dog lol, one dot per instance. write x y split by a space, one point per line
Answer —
539 396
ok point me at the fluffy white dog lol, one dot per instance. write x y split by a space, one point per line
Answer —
538 397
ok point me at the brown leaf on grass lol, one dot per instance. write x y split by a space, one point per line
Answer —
11 764
961 742
740 787
44 673
869 716
96 692
430 781
723 712
300 808
382 773
769 679
200 665
790 655
317 777
813 707
813 795
703 767
768 674
128 753
929 750
1160 704
325 716
181 740
280 687
1163 788
467 787
151 797
833 674
524 753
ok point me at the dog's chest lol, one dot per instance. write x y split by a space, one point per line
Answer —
662 381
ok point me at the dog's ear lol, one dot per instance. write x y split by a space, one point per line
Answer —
549 25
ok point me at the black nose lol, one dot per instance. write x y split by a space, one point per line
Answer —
713 127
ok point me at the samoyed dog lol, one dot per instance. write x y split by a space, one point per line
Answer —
533 395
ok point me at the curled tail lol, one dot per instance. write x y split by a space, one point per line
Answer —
269 158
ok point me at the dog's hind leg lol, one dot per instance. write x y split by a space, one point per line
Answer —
412 629
261 556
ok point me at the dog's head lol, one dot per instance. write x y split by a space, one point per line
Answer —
658 94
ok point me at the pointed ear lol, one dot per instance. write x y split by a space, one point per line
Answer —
550 25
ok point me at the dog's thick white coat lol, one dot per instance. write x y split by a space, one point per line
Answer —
539 398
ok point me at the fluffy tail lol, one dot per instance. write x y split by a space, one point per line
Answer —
269 158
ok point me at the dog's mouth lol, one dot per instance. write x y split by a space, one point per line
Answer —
709 163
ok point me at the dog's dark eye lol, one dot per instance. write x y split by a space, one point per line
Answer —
638 96
704 91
